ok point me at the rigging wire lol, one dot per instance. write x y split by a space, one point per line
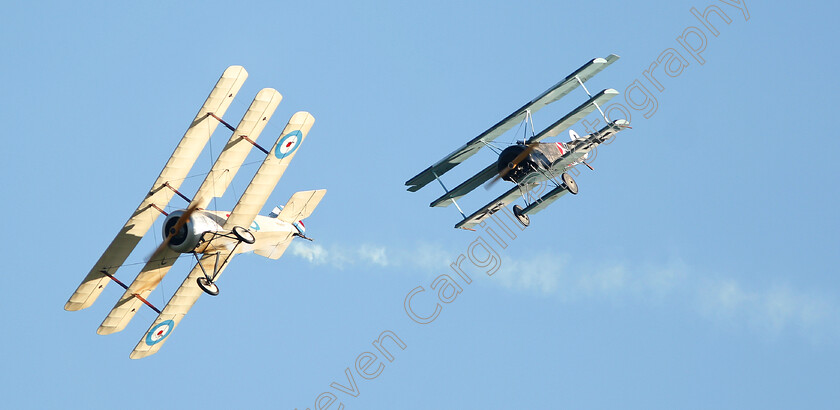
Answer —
513 138
212 162
140 263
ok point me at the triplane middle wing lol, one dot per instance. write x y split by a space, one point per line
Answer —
216 236
532 163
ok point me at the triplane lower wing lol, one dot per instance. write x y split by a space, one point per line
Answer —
530 163
212 237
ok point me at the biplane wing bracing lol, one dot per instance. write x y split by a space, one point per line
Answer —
215 184
243 214
553 94
173 173
553 130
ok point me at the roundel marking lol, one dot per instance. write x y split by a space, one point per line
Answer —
255 226
159 332
288 144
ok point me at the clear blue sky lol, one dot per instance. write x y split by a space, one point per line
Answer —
697 268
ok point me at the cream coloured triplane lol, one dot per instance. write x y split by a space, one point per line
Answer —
212 237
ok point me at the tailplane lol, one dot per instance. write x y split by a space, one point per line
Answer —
298 208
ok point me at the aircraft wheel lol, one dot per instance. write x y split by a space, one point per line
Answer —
523 219
570 183
208 287
244 235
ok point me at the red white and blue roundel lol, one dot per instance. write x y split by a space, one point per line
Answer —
288 144
159 332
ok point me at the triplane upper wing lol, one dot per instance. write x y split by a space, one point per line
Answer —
218 236
531 163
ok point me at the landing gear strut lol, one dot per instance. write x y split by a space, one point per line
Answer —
207 283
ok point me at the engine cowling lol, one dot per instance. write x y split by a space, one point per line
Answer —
523 168
189 236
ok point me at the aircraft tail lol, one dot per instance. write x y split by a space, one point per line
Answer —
298 208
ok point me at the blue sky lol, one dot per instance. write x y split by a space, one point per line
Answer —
695 269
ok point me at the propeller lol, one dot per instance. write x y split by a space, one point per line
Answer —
512 164
182 220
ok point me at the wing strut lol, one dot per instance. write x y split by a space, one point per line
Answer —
142 299
254 143
595 103
230 127
446 192
184 197
244 137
